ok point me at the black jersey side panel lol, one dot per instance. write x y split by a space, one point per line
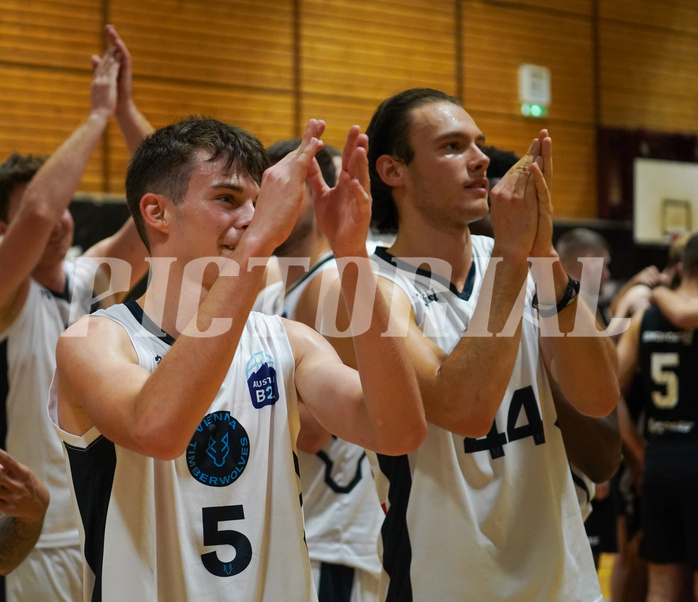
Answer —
397 549
93 475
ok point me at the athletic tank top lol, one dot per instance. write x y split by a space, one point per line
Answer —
668 359
222 521
494 518
27 363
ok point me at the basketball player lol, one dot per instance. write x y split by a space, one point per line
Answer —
37 286
180 411
667 356
485 509
342 512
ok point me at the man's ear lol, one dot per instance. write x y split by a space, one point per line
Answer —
155 210
390 170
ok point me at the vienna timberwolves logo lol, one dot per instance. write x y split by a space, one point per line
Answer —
261 380
219 450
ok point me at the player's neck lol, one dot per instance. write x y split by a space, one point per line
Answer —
452 247
170 301
688 288
51 276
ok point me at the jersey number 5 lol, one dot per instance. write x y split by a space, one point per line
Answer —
664 366
213 536
523 399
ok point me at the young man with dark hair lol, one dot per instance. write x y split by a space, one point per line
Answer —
179 411
38 292
485 509
666 353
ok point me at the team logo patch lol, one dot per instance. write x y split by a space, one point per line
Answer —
219 450
261 380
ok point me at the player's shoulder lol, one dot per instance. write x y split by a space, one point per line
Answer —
95 336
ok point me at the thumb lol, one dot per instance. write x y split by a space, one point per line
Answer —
315 179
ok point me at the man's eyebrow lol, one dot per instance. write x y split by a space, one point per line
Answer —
479 139
228 185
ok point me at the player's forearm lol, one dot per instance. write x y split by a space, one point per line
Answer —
680 311
17 538
586 367
393 403
593 444
134 126
176 396
53 187
472 380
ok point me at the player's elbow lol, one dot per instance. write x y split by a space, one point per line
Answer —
607 466
600 402
472 417
683 321
158 443
408 441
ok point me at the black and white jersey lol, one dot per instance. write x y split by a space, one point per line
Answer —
494 518
27 364
668 358
222 521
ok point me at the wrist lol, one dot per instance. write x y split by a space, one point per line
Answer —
124 108
510 257
99 116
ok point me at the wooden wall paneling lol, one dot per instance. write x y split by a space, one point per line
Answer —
675 15
358 52
50 33
497 39
574 158
233 44
577 7
40 109
267 115
339 115
648 78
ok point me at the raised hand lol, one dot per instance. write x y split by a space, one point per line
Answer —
283 188
125 73
22 495
515 207
542 172
344 212
104 82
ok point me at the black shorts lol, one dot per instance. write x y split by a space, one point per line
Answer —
629 501
601 526
670 506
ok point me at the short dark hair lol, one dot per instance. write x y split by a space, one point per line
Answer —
689 257
389 134
580 242
163 163
501 162
17 169
280 149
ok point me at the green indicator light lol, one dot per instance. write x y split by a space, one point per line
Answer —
531 110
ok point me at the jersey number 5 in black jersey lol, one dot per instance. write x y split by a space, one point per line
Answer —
495 441
213 536
664 375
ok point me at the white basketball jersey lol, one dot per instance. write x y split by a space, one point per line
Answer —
485 519
27 363
340 504
222 521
